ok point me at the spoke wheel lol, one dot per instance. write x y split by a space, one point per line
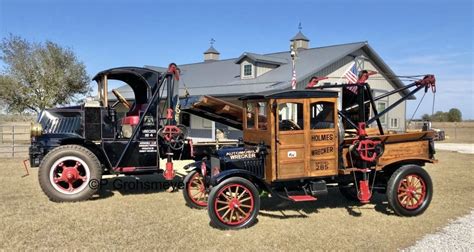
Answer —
234 204
195 191
409 190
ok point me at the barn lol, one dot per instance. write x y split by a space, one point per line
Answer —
252 72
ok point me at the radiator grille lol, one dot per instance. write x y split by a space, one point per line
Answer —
256 166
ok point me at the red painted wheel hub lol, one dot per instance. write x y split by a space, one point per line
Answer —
411 191
234 204
69 177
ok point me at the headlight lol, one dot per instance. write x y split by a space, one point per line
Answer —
36 130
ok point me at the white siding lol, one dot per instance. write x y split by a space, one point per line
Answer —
378 82
264 68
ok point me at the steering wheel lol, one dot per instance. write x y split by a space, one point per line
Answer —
289 125
121 99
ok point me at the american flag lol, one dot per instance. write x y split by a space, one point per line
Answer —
351 76
293 79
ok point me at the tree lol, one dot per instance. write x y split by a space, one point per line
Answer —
39 75
454 115
426 117
439 116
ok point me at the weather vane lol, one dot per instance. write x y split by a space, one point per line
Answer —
299 26
212 41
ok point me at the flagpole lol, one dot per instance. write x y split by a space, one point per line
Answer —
293 59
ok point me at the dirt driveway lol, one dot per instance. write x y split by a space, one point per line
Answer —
153 219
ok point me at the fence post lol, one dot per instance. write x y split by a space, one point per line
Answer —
455 131
13 141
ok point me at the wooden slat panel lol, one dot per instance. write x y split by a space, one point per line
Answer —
323 167
291 139
395 152
323 152
289 154
409 150
323 138
293 170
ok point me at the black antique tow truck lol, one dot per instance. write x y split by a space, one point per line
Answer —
75 146
297 144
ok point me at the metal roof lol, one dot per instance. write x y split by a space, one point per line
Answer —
211 50
222 77
299 36
261 58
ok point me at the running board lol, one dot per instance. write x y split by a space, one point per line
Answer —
301 198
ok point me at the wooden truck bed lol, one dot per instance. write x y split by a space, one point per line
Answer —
398 147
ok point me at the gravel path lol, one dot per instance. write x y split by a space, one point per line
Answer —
459 147
457 236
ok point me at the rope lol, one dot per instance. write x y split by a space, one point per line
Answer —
417 108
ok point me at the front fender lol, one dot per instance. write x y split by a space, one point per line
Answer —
192 166
239 173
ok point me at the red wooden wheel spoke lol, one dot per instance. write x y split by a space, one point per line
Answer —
222 208
242 211
231 217
228 205
225 214
194 195
411 192
243 200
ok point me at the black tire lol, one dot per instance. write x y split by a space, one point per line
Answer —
219 192
404 184
349 191
194 199
55 161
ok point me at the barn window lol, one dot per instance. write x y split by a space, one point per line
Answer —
393 122
247 70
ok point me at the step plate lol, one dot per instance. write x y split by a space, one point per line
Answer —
300 198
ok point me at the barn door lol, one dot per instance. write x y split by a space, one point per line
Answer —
291 140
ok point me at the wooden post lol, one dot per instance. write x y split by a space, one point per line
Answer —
455 131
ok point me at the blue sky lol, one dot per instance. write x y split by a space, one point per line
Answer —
413 37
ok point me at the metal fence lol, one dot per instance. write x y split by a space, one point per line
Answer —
14 140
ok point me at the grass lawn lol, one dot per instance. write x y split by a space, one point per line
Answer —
155 219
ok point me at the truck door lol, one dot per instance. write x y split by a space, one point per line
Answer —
323 137
291 139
